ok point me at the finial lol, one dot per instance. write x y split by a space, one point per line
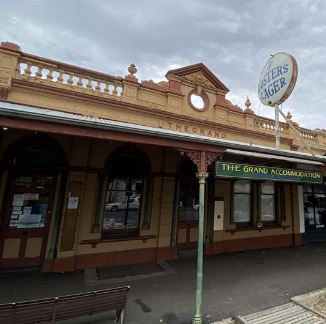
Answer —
248 103
289 115
132 69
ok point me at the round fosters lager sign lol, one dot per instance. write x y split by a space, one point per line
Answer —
277 79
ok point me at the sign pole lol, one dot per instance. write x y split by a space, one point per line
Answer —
277 127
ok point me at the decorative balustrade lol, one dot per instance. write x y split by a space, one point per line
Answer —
268 125
68 77
309 135
263 124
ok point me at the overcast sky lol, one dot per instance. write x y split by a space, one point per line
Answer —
234 38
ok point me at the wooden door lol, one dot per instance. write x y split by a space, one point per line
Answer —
27 218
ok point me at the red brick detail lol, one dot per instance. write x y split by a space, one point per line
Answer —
175 85
10 46
3 94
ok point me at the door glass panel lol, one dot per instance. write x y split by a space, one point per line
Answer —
188 205
23 182
29 210
44 182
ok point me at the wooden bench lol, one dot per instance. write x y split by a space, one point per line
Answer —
49 310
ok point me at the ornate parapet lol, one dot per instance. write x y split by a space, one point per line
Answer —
67 77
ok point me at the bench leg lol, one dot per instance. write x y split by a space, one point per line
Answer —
117 315
120 314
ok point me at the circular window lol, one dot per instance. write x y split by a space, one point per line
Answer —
198 101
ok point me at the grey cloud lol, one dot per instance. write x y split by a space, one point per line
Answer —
233 38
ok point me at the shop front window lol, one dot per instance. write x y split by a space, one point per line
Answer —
124 194
122 206
256 202
314 206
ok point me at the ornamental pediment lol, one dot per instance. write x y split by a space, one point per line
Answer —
198 75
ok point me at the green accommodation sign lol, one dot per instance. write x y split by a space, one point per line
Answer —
259 172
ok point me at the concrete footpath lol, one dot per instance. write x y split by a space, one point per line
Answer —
234 284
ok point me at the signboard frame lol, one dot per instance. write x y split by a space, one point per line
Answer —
236 172
277 80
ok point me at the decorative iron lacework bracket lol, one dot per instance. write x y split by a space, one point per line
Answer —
202 159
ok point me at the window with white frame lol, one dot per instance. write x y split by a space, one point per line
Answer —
267 202
241 214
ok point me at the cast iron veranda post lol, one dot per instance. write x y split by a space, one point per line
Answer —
197 319
202 160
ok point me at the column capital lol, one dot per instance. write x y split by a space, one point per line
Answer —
202 176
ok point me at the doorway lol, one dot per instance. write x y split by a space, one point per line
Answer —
33 166
188 206
27 219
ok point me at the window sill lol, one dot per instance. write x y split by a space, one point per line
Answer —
94 243
260 229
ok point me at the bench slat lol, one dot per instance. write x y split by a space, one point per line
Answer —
64 307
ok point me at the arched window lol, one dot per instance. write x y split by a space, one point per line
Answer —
124 196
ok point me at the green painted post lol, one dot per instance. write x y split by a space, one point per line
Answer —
197 319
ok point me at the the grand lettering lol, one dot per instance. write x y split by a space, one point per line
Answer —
267 86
